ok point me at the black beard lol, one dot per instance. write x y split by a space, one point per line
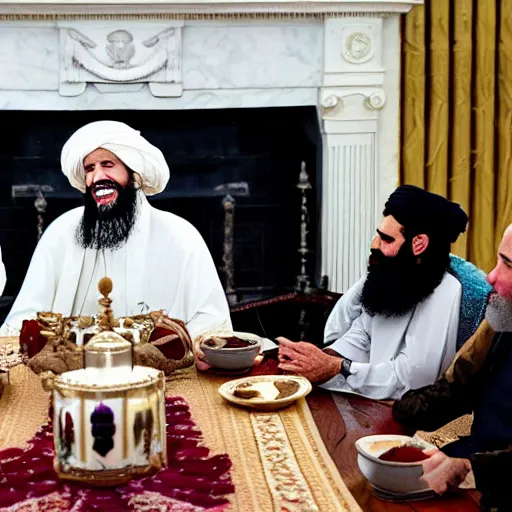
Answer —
395 285
108 226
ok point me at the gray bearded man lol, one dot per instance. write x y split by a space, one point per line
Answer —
395 329
479 381
156 260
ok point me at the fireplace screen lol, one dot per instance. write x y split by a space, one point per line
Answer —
239 176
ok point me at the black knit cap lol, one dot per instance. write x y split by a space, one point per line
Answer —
426 213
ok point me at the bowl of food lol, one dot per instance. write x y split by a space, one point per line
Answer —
265 392
393 463
232 351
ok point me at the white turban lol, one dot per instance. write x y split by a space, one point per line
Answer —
126 143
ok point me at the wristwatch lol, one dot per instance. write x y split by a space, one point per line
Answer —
345 363
345 367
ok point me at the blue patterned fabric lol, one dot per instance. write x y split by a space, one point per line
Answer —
475 292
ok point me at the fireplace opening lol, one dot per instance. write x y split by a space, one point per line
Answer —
235 175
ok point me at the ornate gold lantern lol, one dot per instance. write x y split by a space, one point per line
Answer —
109 416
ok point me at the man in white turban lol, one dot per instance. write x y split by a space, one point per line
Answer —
156 260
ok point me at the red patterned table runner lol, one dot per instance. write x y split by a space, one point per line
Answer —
194 480
279 461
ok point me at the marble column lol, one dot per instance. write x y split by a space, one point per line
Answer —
358 107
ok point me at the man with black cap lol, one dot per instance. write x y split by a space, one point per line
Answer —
395 329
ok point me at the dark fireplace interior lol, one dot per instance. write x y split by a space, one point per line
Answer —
253 155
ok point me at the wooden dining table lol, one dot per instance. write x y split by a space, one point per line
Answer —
341 420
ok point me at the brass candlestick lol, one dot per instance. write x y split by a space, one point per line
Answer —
229 265
303 279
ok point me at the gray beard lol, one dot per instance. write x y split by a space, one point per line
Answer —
499 314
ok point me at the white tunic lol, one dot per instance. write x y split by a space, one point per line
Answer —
3 276
392 355
165 264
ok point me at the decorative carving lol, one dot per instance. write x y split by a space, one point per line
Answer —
334 102
358 48
331 103
120 48
376 100
206 10
124 59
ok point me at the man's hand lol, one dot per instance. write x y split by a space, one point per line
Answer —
307 360
200 360
443 473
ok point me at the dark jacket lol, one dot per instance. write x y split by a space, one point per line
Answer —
458 392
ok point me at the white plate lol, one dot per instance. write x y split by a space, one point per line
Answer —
226 391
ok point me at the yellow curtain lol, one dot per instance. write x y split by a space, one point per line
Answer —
457 113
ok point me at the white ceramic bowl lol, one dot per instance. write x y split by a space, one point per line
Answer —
233 358
397 477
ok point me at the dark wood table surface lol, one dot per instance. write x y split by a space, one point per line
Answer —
361 417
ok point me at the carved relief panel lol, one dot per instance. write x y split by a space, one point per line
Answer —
353 74
353 52
121 56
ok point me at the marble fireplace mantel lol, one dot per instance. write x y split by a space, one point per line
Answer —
341 56
206 7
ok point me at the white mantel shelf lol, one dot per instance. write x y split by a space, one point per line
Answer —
341 57
267 8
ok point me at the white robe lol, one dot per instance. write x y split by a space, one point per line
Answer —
165 264
392 355
3 275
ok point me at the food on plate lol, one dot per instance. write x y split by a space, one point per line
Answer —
286 388
266 390
246 390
